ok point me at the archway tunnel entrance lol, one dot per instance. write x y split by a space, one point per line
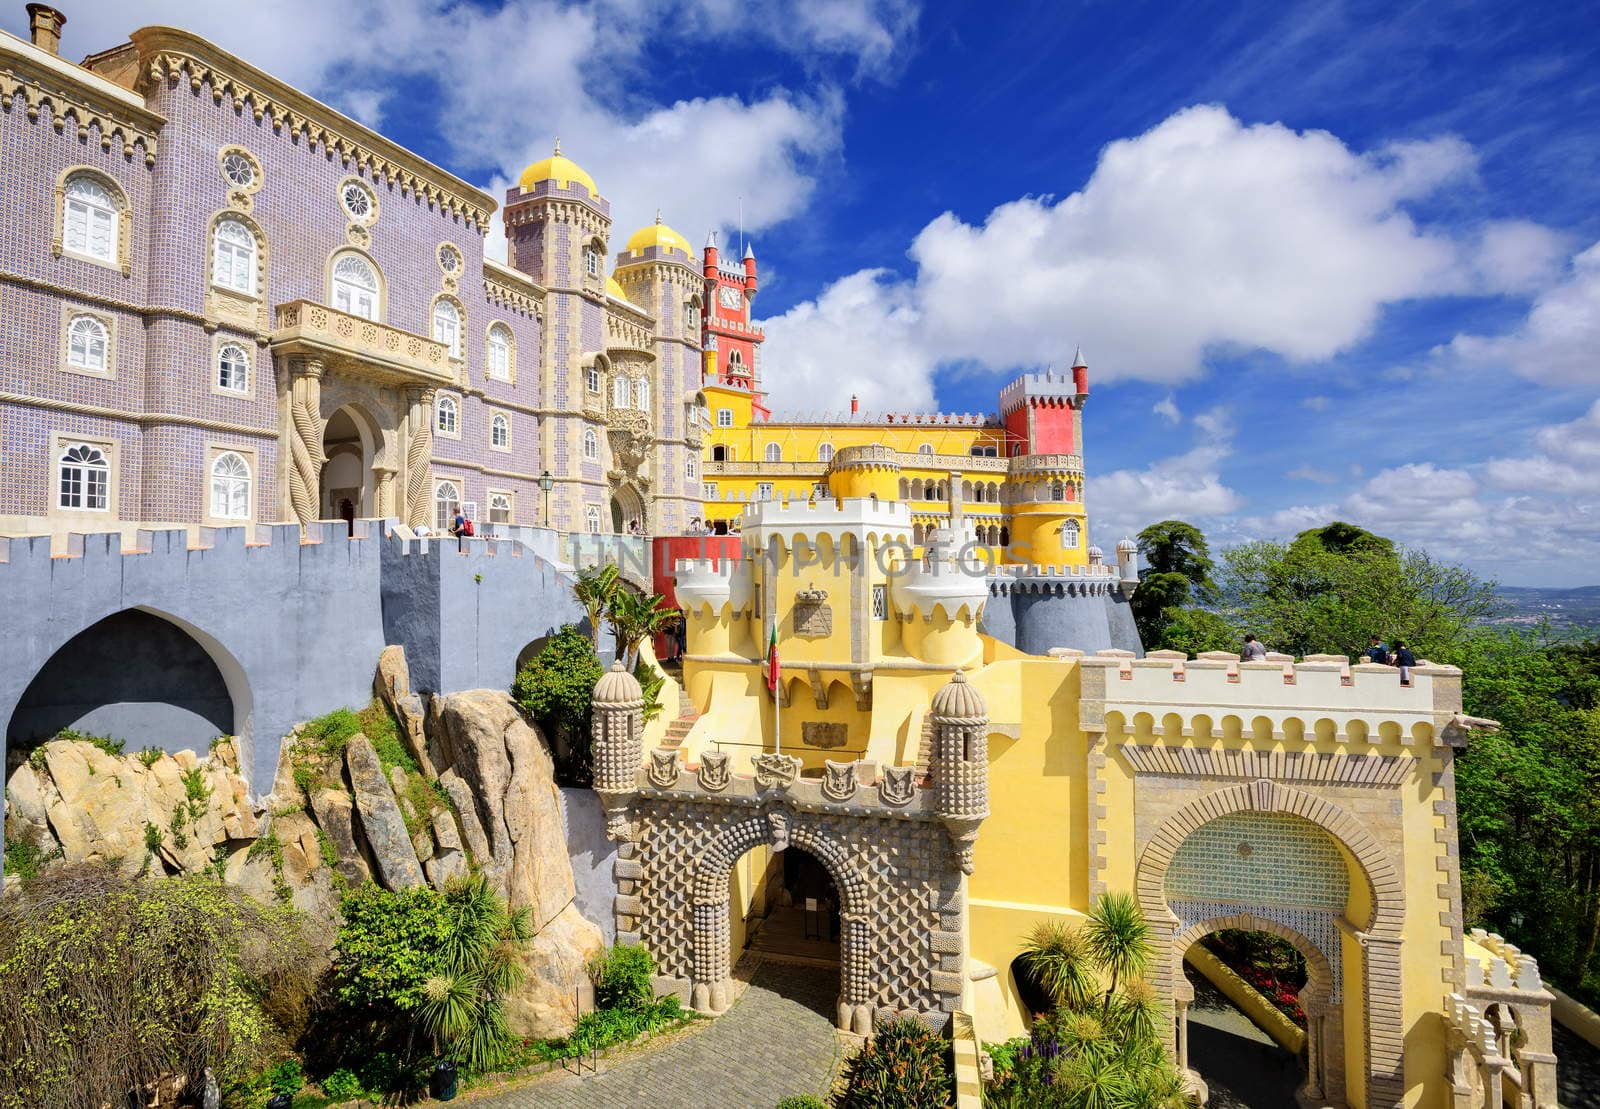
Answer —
1260 1002
1245 1027
784 904
132 676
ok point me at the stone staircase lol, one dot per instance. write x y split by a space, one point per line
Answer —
678 730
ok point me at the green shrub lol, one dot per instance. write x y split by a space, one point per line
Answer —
554 689
650 682
152 837
330 732
802 1101
904 1066
388 946
24 858
286 1077
378 725
622 977
343 1084
109 980
150 755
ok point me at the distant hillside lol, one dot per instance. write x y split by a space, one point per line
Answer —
1565 608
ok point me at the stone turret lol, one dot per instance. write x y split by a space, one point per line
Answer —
960 764
939 600
618 721
1128 565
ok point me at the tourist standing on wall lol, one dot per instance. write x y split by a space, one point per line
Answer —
1253 650
1405 660
1377 651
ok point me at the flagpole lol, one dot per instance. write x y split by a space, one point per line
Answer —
777 700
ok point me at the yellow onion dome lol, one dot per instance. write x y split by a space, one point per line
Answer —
560 169
614 288
660 236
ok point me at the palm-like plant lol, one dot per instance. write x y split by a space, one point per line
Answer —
1118 937
462 1004
594 590
633 617
1058 956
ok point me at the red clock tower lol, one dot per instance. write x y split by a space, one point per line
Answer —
732 341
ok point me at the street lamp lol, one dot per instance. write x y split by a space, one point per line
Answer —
546 482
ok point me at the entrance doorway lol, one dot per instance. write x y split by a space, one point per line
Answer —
627 512
1242 1025
350 445
791 906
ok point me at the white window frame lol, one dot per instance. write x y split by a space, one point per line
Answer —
880 602
239 383
591 518
357 299
1071 535
591 379
230 492
825 452
443 517
497 423
447 326
763 491
497 500
95 337
641 394
90 215
773 452
724 417
233 260
691 468
90 467
708 491
497 352
447 416
591 261
591 445
621 395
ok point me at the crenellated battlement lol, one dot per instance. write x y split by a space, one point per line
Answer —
1168 695
1494 964
942 584
868 520
1045 388
705 584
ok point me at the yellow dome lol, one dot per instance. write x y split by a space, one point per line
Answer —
615 289
562 170
660 236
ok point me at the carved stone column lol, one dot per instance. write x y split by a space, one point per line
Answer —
1183 1034
305 439
383 495
419 451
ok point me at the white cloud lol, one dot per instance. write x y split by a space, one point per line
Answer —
1567 461
1188 486
511 78
1559 341
1312 473
1315 404
1201 233
1167 409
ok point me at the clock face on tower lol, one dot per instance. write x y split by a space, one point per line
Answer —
730 297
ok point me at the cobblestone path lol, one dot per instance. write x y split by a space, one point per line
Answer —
776 1040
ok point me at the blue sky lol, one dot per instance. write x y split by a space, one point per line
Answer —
1325 260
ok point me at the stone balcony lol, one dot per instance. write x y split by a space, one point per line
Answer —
1024 464
306 329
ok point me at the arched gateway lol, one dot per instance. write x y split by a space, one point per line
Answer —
896 850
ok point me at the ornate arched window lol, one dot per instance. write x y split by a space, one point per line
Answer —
641 395
825 452
446 503
1058 491
1069 535
447 326
591 519
774 453
735 362
90 219
500 431
499 508
925 448
591 445
233 368
355 287
84 478
447 415
619 392
233 256
88 344
498 349
691 318
230 487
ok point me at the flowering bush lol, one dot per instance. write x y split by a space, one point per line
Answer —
1272 966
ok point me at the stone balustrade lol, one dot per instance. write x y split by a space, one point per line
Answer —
304 328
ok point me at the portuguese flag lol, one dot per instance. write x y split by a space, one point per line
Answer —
772 660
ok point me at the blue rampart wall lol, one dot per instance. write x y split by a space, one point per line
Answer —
1036 613
294 627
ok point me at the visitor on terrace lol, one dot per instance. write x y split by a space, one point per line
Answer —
1377 651
1405 660
1253 650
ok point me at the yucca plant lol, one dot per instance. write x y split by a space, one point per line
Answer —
1119 938
903 1066
1057 955
594 589
462 1005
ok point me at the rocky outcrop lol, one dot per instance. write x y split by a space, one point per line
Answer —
169 813
382 824
337 818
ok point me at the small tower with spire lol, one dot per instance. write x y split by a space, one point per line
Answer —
732 339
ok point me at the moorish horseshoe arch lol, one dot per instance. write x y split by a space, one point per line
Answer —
1324 1057
713 937
1379 941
